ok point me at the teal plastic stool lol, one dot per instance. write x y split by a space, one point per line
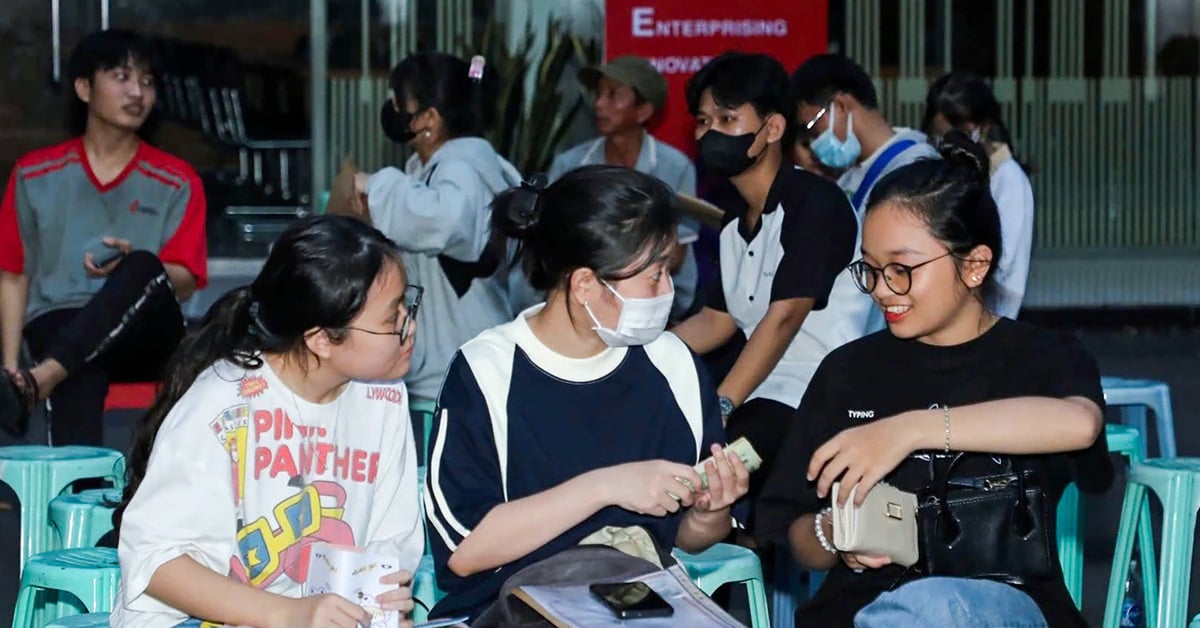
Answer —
1176 481
86 620
1134 397
426 408
1127 442
724 563
37 474
82 518
425 590
91 575
787 591
421 471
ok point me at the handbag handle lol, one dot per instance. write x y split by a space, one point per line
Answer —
948 527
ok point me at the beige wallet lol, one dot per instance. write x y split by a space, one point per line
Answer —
885 524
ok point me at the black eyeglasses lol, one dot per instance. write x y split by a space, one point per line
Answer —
412 302
898 277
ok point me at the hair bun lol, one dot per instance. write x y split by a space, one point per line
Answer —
518 210
960 151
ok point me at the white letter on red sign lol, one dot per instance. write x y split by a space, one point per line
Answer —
643 21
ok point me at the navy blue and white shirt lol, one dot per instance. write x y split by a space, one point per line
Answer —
520 419
799 248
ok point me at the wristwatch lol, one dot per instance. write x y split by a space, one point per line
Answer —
726 405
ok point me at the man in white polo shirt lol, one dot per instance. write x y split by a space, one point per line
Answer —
782 253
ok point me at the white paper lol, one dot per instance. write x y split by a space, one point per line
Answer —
575 604
353 574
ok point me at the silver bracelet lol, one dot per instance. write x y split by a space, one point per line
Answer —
820 530
946 415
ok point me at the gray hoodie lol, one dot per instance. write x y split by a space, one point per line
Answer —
439 213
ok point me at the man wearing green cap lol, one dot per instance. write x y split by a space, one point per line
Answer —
628 91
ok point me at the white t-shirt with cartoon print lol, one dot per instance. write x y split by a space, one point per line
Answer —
244 475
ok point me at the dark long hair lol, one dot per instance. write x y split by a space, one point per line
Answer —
440 81
952 197
598 217
963 97
317 276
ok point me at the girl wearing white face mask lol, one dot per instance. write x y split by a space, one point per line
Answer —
581 415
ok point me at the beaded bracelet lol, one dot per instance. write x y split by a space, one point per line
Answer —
820 530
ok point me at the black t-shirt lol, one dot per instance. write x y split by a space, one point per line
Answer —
804 238
880 376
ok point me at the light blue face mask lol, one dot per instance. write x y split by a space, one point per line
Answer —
833 152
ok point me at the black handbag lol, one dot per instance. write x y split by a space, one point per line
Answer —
582 564
997 527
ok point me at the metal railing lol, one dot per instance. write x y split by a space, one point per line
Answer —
1114 156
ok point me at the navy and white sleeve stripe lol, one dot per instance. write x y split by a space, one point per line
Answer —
464 481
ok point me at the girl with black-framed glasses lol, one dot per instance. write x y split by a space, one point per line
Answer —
947 378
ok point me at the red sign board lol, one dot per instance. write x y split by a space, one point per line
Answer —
680 36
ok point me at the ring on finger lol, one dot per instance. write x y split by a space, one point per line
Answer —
674 496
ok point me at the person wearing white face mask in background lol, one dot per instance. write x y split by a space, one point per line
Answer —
963 101
838 109
783 253
581 415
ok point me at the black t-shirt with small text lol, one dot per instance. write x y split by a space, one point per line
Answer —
880 376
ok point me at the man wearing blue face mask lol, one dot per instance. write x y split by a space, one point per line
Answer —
782 282
838 112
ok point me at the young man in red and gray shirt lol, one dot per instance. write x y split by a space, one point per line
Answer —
68 207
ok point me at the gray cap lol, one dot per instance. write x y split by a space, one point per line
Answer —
633 71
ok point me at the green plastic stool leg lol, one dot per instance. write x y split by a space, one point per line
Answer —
1145 538
1179 528
425 591
27 603
760 610
426 408
1070 546
1135 495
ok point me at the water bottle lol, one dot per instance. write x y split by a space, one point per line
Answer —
1131 608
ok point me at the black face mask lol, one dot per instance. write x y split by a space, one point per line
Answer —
396 124
725 155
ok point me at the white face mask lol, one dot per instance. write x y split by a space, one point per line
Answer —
642 320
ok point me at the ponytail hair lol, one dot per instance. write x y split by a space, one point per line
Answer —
463 93
605 218
961 98
316 277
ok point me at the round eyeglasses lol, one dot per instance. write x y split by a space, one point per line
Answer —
898 277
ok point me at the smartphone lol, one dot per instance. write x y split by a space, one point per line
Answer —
101 254
631 600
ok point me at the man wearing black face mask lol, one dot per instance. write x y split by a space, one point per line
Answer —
783 253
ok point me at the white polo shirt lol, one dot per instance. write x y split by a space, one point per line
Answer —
799 249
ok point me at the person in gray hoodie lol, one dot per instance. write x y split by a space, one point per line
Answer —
438 208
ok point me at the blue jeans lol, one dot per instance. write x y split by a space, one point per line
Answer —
952 602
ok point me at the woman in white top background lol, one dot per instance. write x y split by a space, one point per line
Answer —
963 101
